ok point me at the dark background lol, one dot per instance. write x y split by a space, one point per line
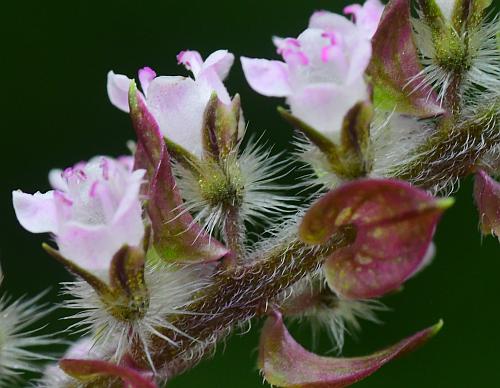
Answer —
55 111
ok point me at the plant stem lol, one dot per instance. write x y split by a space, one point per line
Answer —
233 231
448 156
235 296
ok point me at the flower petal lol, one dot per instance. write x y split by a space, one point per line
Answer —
395 67
146 75
36 212
330 21
93 247
285 363
269 78
367 17
118 86
487 196
360 58
221 61
447 7
178 105
394 225
324 106
191 60
56 180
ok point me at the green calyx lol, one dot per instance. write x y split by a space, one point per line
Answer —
451 37
452 50
355 150
125 296
222 183
128 299
222 127
351 158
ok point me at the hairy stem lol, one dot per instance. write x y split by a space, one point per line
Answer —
448 156
233 235
235 296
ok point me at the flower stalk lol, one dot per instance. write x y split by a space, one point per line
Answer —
389 109
254 286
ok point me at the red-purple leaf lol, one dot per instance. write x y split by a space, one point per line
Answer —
149 139
395 67
90 369
176 237
487 196
394 224
285 363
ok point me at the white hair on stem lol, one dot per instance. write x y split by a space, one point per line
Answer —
251 180
394 138
19 338
483 60
331 313
170 289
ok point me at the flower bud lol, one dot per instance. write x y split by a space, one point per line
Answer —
223 128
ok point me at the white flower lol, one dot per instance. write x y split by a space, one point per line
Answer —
178 103
93 211
322 75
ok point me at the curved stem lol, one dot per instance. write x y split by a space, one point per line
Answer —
451 155
235 296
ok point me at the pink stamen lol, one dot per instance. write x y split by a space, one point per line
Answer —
105 168
353 10
332 36
180 58
62 198
93 189
289 49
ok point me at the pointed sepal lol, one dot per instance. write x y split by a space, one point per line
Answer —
124 292
395 68
325 145
221 127
355 139
487 197
394 225
458 14
350 158
285 363
92 370
176 236
96 282
149 139
129 298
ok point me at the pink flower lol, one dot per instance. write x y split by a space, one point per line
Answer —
366 16
178 103
322 75
93 210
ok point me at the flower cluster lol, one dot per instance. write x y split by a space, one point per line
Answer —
159 242
322 75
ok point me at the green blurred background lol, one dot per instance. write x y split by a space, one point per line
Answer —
55 111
